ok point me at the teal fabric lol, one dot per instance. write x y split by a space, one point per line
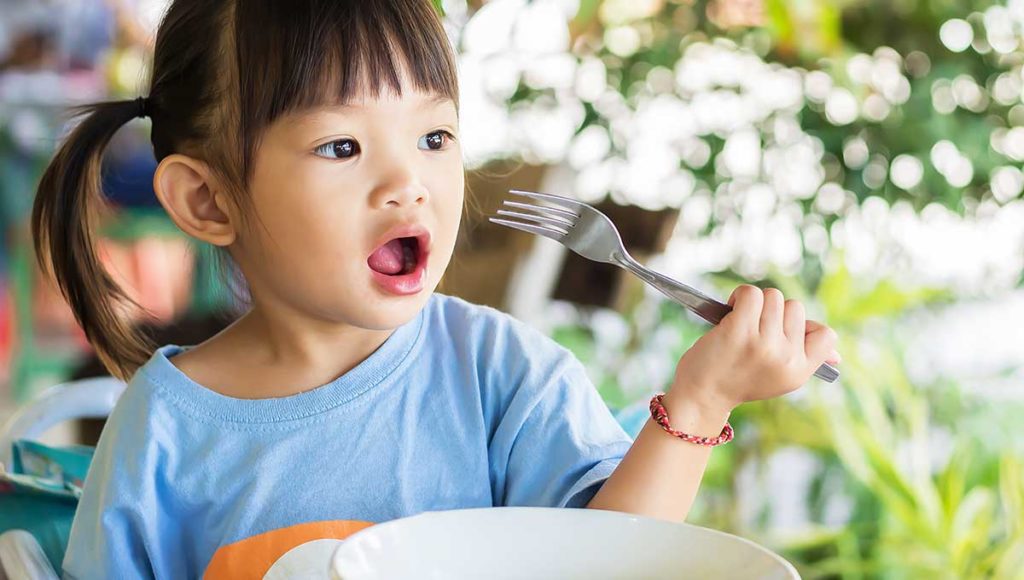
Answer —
47 518
40 493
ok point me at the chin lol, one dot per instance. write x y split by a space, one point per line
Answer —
390 313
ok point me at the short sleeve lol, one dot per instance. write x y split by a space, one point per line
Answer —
556 443
117 530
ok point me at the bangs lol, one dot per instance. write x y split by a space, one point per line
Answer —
308 53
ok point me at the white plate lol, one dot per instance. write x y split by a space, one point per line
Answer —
533 542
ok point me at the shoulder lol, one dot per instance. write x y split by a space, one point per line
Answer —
142 420
458 312
503 346
132 444
486 325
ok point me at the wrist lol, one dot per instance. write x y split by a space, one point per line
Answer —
692 413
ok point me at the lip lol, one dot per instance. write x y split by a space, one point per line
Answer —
412 282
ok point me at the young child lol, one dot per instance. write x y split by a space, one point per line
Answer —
316 142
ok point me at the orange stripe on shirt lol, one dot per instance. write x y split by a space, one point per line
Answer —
253 556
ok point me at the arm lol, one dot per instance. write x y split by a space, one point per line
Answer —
556 441
764 348
106 543
118 530
660 474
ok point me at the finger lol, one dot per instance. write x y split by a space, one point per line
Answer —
834 357
819 345
771 313
746 301
814 325
794 323
732 297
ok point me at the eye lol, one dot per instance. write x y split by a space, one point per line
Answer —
340 149
435 141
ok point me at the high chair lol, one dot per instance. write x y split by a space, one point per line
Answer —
22 556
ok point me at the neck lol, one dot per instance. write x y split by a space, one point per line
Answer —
283 355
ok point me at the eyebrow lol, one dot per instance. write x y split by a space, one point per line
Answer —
320 114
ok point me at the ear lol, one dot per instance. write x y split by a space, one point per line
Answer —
189 192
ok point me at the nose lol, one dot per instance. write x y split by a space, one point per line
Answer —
401 187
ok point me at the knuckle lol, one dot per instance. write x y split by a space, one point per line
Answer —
795 309
731 322
747 290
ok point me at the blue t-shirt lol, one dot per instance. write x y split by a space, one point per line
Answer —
463 406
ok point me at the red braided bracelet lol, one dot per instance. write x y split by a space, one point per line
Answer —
660 416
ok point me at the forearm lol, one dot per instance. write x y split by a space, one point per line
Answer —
660 474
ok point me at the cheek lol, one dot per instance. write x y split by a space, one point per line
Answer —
449 216
453 197
302 241
299 215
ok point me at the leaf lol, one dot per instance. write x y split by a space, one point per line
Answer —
1011 493
951 484
971 523
834 293
847 305
1011 562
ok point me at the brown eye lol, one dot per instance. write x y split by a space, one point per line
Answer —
340 149
434 141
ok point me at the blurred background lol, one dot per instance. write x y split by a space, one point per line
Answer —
863 156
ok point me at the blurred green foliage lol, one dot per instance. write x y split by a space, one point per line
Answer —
931 475
839 38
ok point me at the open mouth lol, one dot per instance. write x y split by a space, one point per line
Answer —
398 257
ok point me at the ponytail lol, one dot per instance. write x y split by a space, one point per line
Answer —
63 220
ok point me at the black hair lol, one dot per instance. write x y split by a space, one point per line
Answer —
222 72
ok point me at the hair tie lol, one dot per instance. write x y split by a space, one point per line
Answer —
142 103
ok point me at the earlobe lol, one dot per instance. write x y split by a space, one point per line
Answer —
188 192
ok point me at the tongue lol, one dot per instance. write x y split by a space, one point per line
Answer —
388 258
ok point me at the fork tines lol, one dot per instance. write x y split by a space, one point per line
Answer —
551 222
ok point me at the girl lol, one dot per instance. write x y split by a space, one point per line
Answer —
316 143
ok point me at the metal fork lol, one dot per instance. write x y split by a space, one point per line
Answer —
585 230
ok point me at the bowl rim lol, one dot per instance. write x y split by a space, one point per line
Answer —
591 513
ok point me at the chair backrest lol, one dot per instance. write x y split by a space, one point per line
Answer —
84 399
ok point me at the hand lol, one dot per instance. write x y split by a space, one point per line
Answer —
763 349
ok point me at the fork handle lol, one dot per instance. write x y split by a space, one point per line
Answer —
701 304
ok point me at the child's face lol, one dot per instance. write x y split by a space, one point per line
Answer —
330 184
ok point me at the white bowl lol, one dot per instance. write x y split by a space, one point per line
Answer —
533 542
